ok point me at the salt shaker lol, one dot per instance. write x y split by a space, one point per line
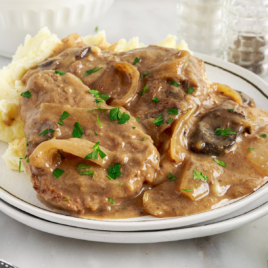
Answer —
201 25
247 34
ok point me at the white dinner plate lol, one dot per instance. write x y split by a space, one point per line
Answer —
16 189
135 237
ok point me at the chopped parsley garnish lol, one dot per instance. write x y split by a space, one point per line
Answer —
144 74
143 139
172 111
82 166
58 172
60 123
99 101
98 121
155 99
251 149
96 152
114 172
138 119
111 200
60 72
224 132
230 110
90 111
187 190
190 90
26 94
174 83
46 131
171 177
78 131
91 71
199 175
221 163
115 114
89 172
169 120
96 133
136 61
97 94
28 160
120 183
133 127
96 28
63 116
143 91
159 120
123 119
66 199
263 136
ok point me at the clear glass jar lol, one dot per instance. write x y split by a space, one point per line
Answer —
200 24
247 34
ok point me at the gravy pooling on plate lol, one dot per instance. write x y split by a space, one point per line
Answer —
119 135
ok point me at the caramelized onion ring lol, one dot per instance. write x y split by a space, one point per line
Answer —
132 75
42 156
177 148
229 92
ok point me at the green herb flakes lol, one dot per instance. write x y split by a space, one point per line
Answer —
46 131
133 127
143 139
230 110
221 163
63 116
96 133
114 172
138 119
190 90
251 149
96 29
136 61
91 71
155 99
58 172
263 136
187 190
60 72
99 121
111 200
144 74
174 83
224 132
123 119
143 91
169 120
78 131
90 111
159 120
82 166
88 172
66 199
171 177
26 94
115 114
172 111
199 175
94 154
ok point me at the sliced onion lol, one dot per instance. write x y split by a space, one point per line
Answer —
133 76
229 92
42 156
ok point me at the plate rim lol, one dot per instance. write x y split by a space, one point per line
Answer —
113 225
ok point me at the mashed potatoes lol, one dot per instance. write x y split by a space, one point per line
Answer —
35 50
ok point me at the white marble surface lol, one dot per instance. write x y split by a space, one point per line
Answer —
246 247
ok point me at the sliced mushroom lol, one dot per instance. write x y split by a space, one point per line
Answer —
247 100
207 140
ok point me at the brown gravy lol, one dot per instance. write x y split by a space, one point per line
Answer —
177 145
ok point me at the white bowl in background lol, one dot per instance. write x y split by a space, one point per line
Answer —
62 17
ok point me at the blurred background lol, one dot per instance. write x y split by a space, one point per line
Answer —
234 30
